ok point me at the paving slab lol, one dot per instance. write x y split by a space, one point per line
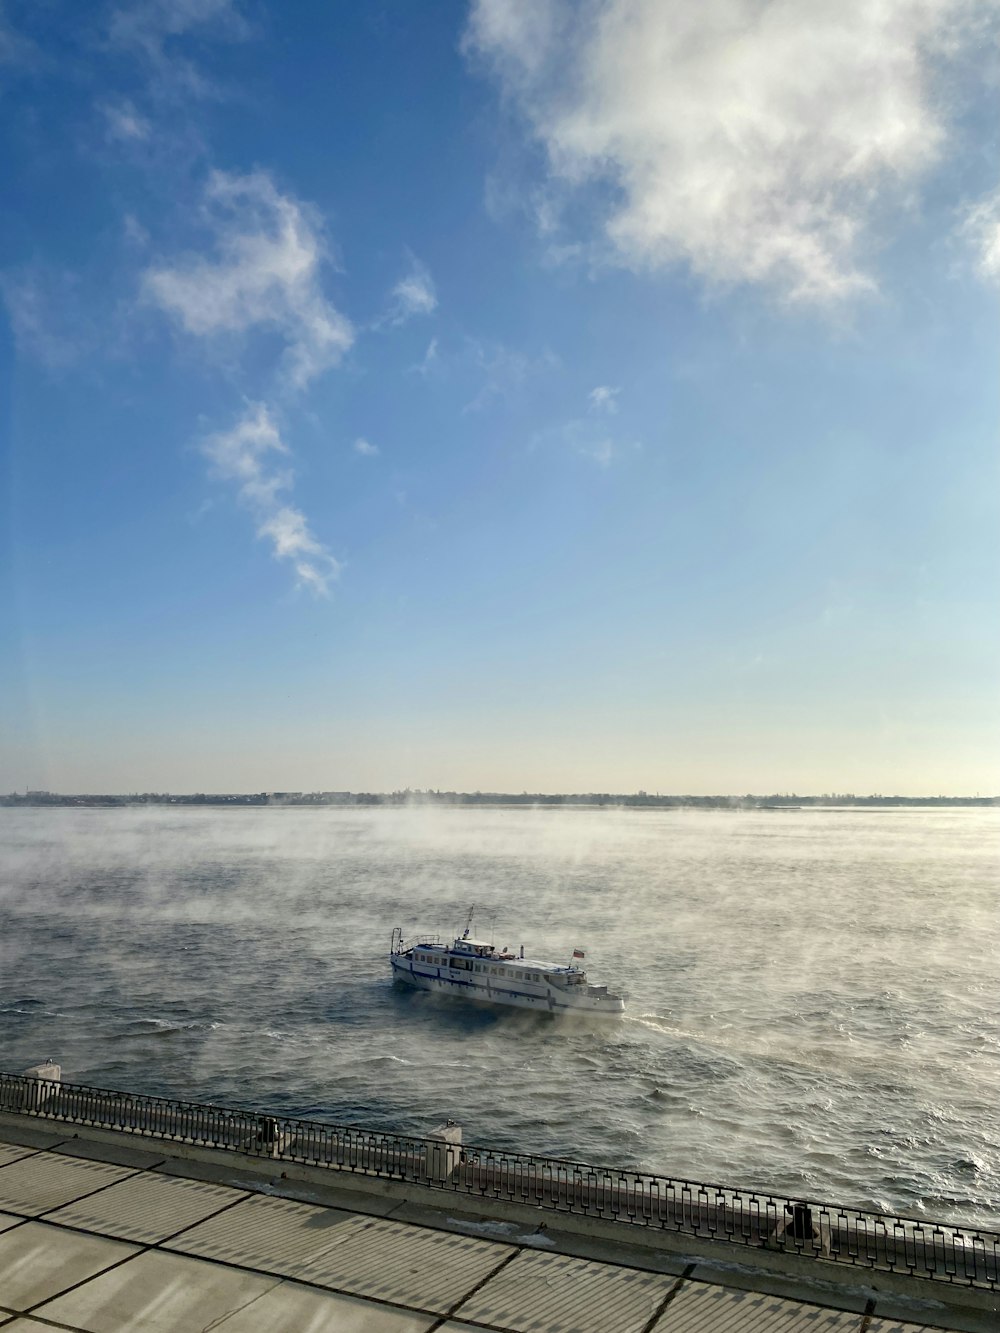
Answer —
438 1216
38 1261
42 1181
272 1235
538 1292
30 1136
157 1293
845 1290
24 1323
119 1154
331 1194
697 1308
407 1265
8 1220
898 1326
292 1308
616 1252
10 1152
146 1207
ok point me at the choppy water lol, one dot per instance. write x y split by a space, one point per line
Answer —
815 1003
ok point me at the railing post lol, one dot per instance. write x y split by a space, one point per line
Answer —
444 1151
45 1081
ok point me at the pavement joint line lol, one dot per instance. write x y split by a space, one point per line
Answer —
64 1144
30 1152
137 1246
140 1244
326 1288
180 1232
515 1251
75 1286
38 1217
239 1309
49 1323
145 1247
657 1314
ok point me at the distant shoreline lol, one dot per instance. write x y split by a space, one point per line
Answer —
397 799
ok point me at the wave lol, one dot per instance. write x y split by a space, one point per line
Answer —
167 1025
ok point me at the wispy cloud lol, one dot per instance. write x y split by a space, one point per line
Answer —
981 229
755 143
589 439
15 49
48 318
430 360
123 123
504 371
246 455
414 294
151 30
365 448
604 399
264 274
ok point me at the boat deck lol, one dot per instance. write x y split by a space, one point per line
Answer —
103 1235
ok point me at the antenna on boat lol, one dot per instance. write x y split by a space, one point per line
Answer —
468 922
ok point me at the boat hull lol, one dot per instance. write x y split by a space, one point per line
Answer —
470 990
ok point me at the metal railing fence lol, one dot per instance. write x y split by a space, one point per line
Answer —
939 1252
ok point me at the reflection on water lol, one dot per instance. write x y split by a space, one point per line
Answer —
814 998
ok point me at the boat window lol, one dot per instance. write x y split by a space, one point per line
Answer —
493 970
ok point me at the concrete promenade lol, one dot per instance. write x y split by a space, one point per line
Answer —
102 1234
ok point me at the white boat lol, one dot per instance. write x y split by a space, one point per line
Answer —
472 969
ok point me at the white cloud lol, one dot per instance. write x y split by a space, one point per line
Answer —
430 361
601 451
152 29
504 371
604 399
47 314
124 123
754 142
413 295
981 229
14 49
244 455
362 446
264 274
149 23
589 440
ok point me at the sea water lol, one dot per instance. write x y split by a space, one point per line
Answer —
814 1003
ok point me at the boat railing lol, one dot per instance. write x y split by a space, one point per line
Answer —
956 1254
398 944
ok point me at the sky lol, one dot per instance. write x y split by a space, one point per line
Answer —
505 395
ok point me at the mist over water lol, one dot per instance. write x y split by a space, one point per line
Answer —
814 1000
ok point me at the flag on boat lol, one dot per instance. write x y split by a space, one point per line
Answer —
578 953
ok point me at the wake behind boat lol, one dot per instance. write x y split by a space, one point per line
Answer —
472 969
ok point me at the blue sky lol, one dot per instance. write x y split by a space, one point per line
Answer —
505 395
